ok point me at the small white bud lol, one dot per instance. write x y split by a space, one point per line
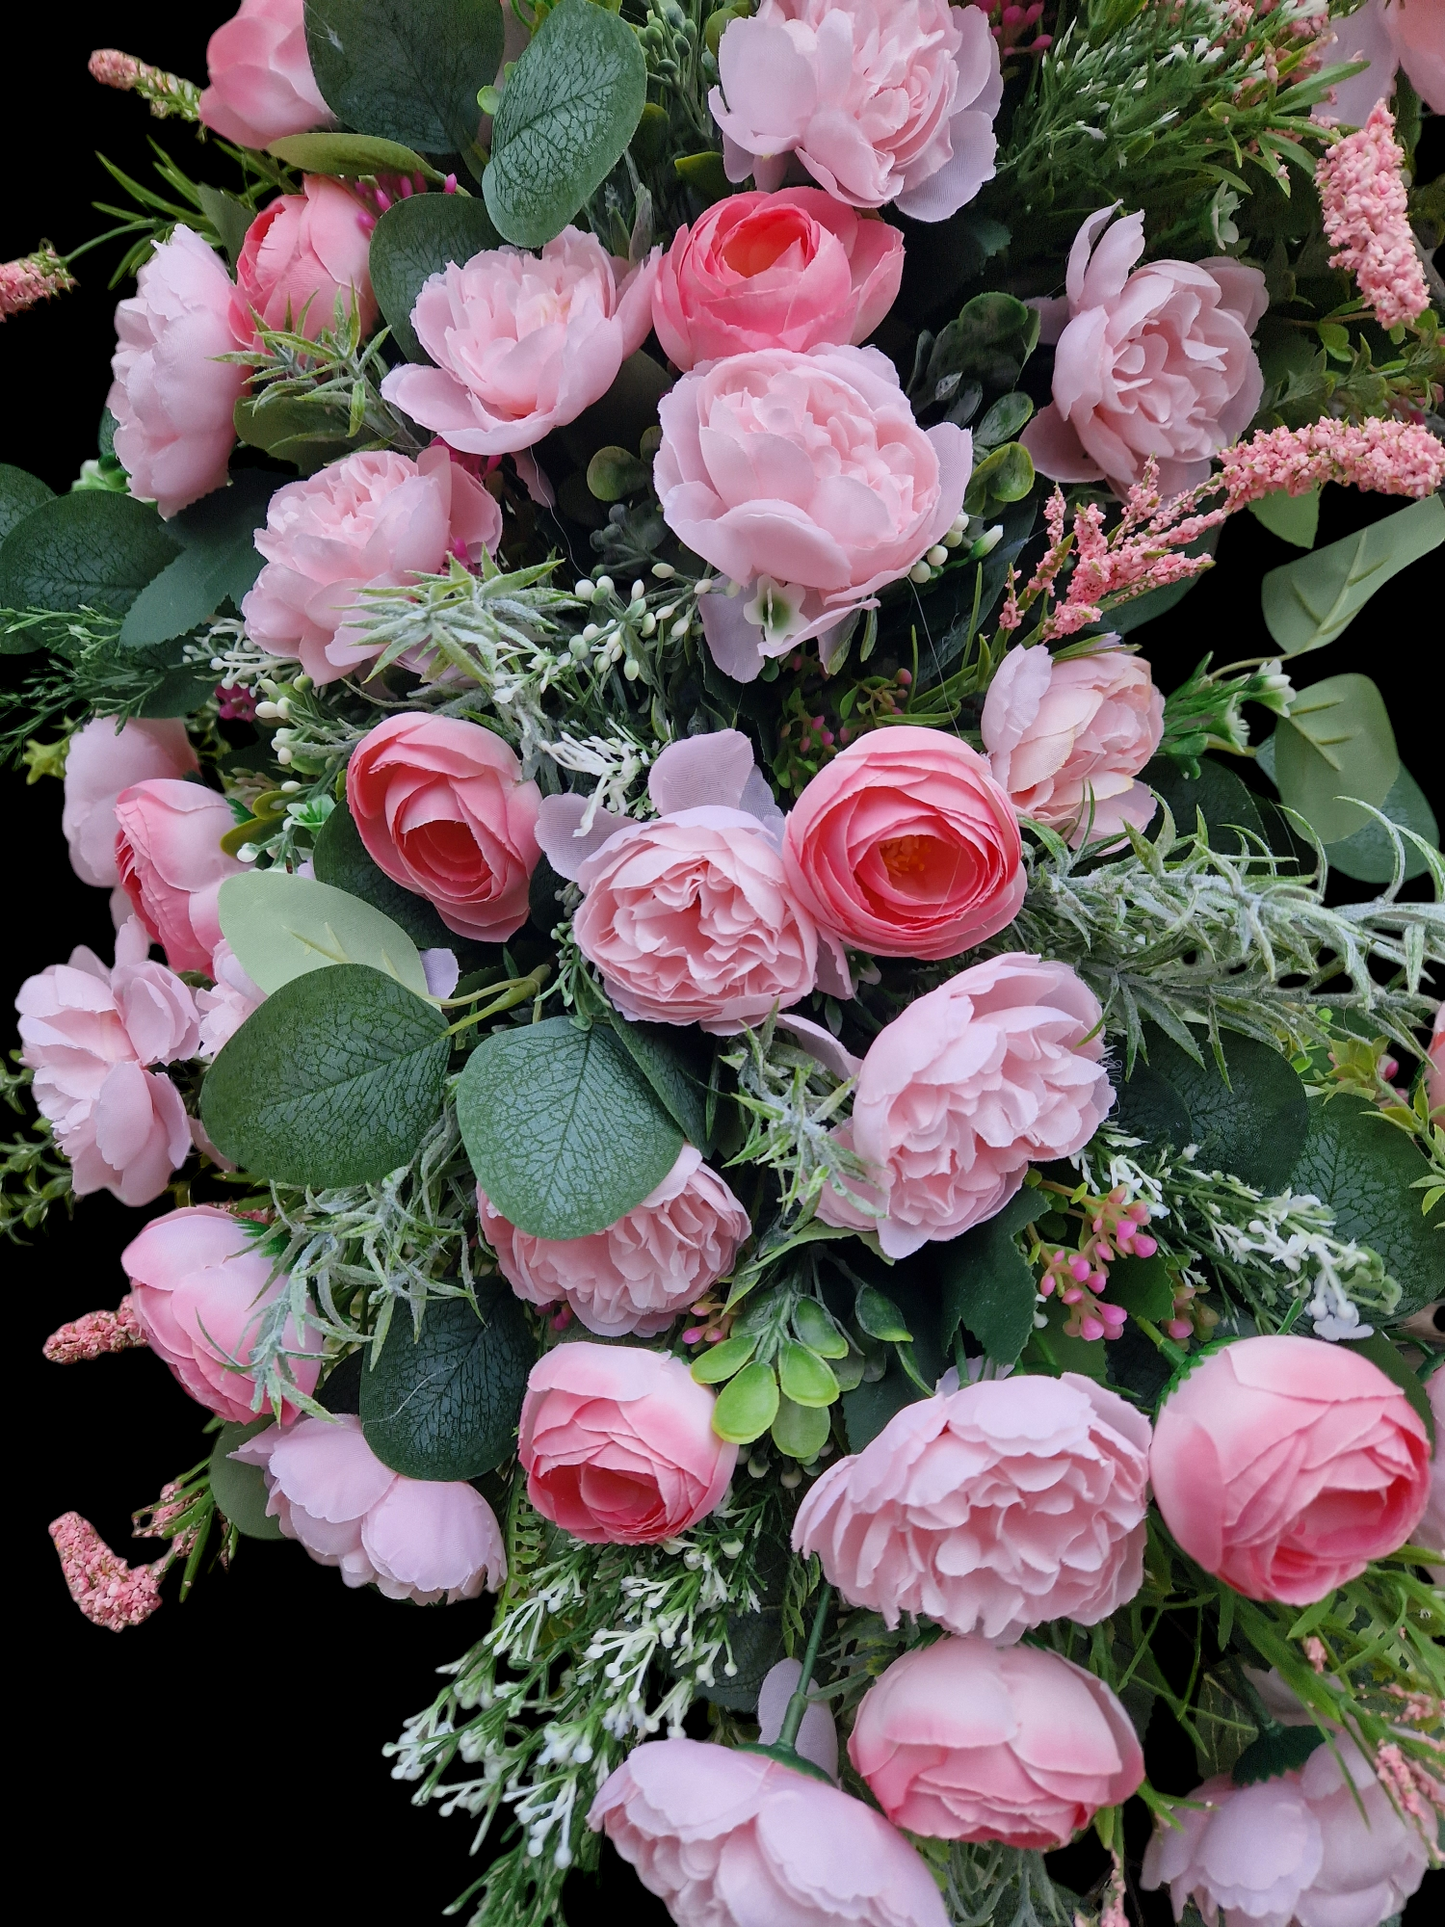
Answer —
283 756
267 712
283 707
604 585
953 538
584 591
920 572
632 669
664 571
290 788
937 556
667 612
591 632
680 628
639 590
647 626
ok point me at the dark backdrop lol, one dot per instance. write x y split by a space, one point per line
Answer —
223 1760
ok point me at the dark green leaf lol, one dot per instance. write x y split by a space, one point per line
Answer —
408 70
1293 518
444 1405
987 1286
340 857
880 1317
1006 475
1309 602
1003 421
1217 791
913 1297
677 1074
1335 744
89 550
415 239
240 1490
179 691
1054 1352
992 338
229 217
1385 1354
306 430
1369 855
1254 1126
349 156
1143 1287
1148 1106
1279 1751
219 563
20 493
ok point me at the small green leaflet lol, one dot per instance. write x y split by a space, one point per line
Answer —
416 239
282 926
801 1431
444 1404
1336 744
406 70
1309 602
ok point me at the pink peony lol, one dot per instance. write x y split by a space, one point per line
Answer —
961 1740
805 479
733 1839
168 851
1435 1066
1157 362
905 845
262 87
442 807
417 1539
881 100
227 1004
618 1446
301 253
1000 1065
990 1509
1284 1465
371 521
173 397
1067 739
522 343
639 1273
100 762
1388 34
200 1282
789 270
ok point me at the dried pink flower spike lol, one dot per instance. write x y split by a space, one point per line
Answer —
108 1591
165 93
1362 196
34 277
1388 457
92 1336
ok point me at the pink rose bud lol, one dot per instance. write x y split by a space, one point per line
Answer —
618 1446
1284 1465
301 252
100 762
443 809
961 1740
262 87
168 851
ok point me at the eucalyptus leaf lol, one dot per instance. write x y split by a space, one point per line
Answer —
1225 802
1369 855
409 70
1255 1125
678 1076
1309 602
20 494
349 156
1147 1106
341 858
415 239
1003 421
87 550
444 1404
219 563
1293 518
987 1286
283 926
239 1490
1336 744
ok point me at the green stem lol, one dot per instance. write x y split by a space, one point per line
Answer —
1176 1354
798 1704
516 991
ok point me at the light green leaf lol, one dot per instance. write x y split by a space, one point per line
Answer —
1369 855
444 1404
415 239
1293 518
817 1330
219 563
350 157
281 927
240 1490
801 1431
805 1377
987 1286
1309 602
409 70
747 1406
1335 744
723 1361
89 550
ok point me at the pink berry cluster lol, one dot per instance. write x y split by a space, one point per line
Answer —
1008 25
1112 1227
1191 1318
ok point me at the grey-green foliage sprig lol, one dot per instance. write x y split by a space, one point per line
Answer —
336 374
793 1104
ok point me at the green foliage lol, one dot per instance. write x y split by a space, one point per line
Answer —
1334 751
417 238
1371 854
350 156
312 402
442 1403
218 563
1308 602
1215 792
1293 518
986 1284
340 858
1255 1123
747 1405
89 550
406 70
676 1070
1281 1749
20 494
282 926
240 1490
34 1175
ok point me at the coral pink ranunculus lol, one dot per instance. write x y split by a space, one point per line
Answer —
990 1509
262 87
789 270
442 807
522 343
618 1446
806 479
881 100
418 1539
173 399
1067 739
1000 1065
300 253
168 851
733 1839
1157 362
100 762
907 845
1284 1465
962 1740
637 1274
370 521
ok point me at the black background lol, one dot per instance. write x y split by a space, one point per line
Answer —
223 1760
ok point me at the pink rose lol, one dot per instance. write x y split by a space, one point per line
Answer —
227 1004
100 762
788 270
200 1283
371 521
442 807
1435 1065
417 1539
732 1839
168 851
804 478
173 398
618 1446
522 343
639 1273
1000 1065
961 1740
301 252
262 87
881 100
1284 1465
991 1509
1066 739
905 845
1157 362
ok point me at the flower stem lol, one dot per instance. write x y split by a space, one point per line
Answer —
516 991
798 1704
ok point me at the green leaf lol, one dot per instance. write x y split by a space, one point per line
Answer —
1384 1353
219 563
987 1286
1007 475
90 550
677 1076
334 1080
992 338
229 217
20 494
180 691
1336 743
1143 1287
1054 1352
1148 1106
564 1132
1226 803
350 157
801 1431
1293 518
805 1377
240 1490
306 430
1003 421
571 105
722 1361
406 69
747 1406
880 1317
444 1405
282 926
1255 1125
340 857
1279 1751
415 239
1309 602
817 1330
1369 855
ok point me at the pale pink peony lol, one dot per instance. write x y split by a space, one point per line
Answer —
1435 1066
173 398
100 762
1284 1465
262 87
990 1509
442 807
639 1273
1000 1065
789 270
962 1740
522 343
1430 1531
1067 739
168 851
1157 362
228 1003
1388 34
301 253
907 846
371 521
418 1539
805 479
733 1839
881 100
618 1446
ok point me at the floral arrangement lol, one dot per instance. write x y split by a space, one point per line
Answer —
724 1068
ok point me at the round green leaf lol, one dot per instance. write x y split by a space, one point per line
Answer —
409 70
1336 744
444 1405
817 1330
283 926
1148 1106
801 1430
1254 1126
747 1405
341 858
89 550
416 239
1369 855
721 1361
240 1490
805 1377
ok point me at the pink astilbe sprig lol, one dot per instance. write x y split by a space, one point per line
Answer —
34 277
1383 457
1415 1791
108 1591
1366 219
97 1333
166 94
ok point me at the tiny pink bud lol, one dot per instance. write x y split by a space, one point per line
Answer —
1144 1245
1072 1296
1179 1328
449 185
692 1334
1099 1280
383 199
1090 1328
562 1320
904 678
1079 1267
